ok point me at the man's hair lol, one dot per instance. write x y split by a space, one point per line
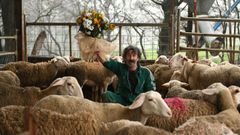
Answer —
131 48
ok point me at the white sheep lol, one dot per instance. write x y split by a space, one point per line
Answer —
18 119
177 61
162 59
126 127
176 89
200 76
110 128
228 114
144 105
9 77
203 128
93 74
183 109
36 74
15 95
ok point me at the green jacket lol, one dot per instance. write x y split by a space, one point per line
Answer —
145 79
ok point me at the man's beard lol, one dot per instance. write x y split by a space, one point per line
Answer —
130 63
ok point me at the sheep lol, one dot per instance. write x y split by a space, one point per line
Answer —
93 74
162 59
126 127
208 62
200 76
141 130
18 119
177 61
9 77
36 74
162 75
176 90
110 128
203 128
12 120
14 95
145 104
183 109
152 67
228 114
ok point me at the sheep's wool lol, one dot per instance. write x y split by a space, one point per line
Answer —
177 104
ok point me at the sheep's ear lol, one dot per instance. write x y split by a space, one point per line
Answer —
58 81
210 91
166 84
138 101
184 84
53 60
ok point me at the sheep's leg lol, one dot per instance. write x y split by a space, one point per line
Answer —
96 88
100 92
93 88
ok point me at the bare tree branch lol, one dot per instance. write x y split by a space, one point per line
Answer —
55 41
48 13
141 41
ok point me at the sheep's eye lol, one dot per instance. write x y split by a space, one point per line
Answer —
150 99
69 84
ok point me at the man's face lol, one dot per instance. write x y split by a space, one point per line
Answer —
131 58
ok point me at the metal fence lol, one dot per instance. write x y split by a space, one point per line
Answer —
228 52
60 39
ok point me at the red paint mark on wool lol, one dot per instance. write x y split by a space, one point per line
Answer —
177 104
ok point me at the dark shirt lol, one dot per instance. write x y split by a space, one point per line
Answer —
133 80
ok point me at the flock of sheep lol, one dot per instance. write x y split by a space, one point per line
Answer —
192 97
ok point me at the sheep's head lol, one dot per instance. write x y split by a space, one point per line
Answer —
235 90
177 61
151 102
60 61
162 59
172 83
177 75
212 91
70 84
216 92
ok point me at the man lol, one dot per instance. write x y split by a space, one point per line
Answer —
133 79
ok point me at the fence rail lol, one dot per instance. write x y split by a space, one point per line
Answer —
150 39
230 38
8 56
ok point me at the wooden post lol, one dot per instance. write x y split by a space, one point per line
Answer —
178 32
20 46
171 6
24 26
196 27
172 40
120 40
70 40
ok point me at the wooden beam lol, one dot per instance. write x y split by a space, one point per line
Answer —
19 24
